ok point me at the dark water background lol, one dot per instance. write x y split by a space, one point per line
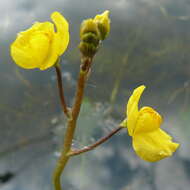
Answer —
149 44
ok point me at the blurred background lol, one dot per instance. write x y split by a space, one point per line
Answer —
149 44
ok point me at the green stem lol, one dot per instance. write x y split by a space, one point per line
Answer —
71 124
58 171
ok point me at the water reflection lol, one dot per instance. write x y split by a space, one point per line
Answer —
148 44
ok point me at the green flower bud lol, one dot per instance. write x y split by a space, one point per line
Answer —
87 49
92 31
88 26
103 24
90 38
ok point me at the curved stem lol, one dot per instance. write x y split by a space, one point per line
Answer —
97 143
71 124
61 91
58 171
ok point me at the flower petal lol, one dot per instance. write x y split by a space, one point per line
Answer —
153 146
62 34
132 109
31 47
148 120
59 42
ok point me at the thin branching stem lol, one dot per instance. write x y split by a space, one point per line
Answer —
67 151
97 143
71 124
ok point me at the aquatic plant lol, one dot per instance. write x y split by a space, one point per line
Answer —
41 47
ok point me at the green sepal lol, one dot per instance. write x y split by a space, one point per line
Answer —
87 50
124 123
91 38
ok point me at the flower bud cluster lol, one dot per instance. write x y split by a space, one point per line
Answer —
92 32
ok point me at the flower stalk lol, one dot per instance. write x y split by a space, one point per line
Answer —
61 90
71 124
91 36
67 151
97 143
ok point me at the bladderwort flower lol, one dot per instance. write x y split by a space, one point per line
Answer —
149 141
40 46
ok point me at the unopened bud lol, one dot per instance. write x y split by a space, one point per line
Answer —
90 38
103 23
88 26
92 32
87 49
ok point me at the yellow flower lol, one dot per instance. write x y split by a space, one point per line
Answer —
40 46
149 141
